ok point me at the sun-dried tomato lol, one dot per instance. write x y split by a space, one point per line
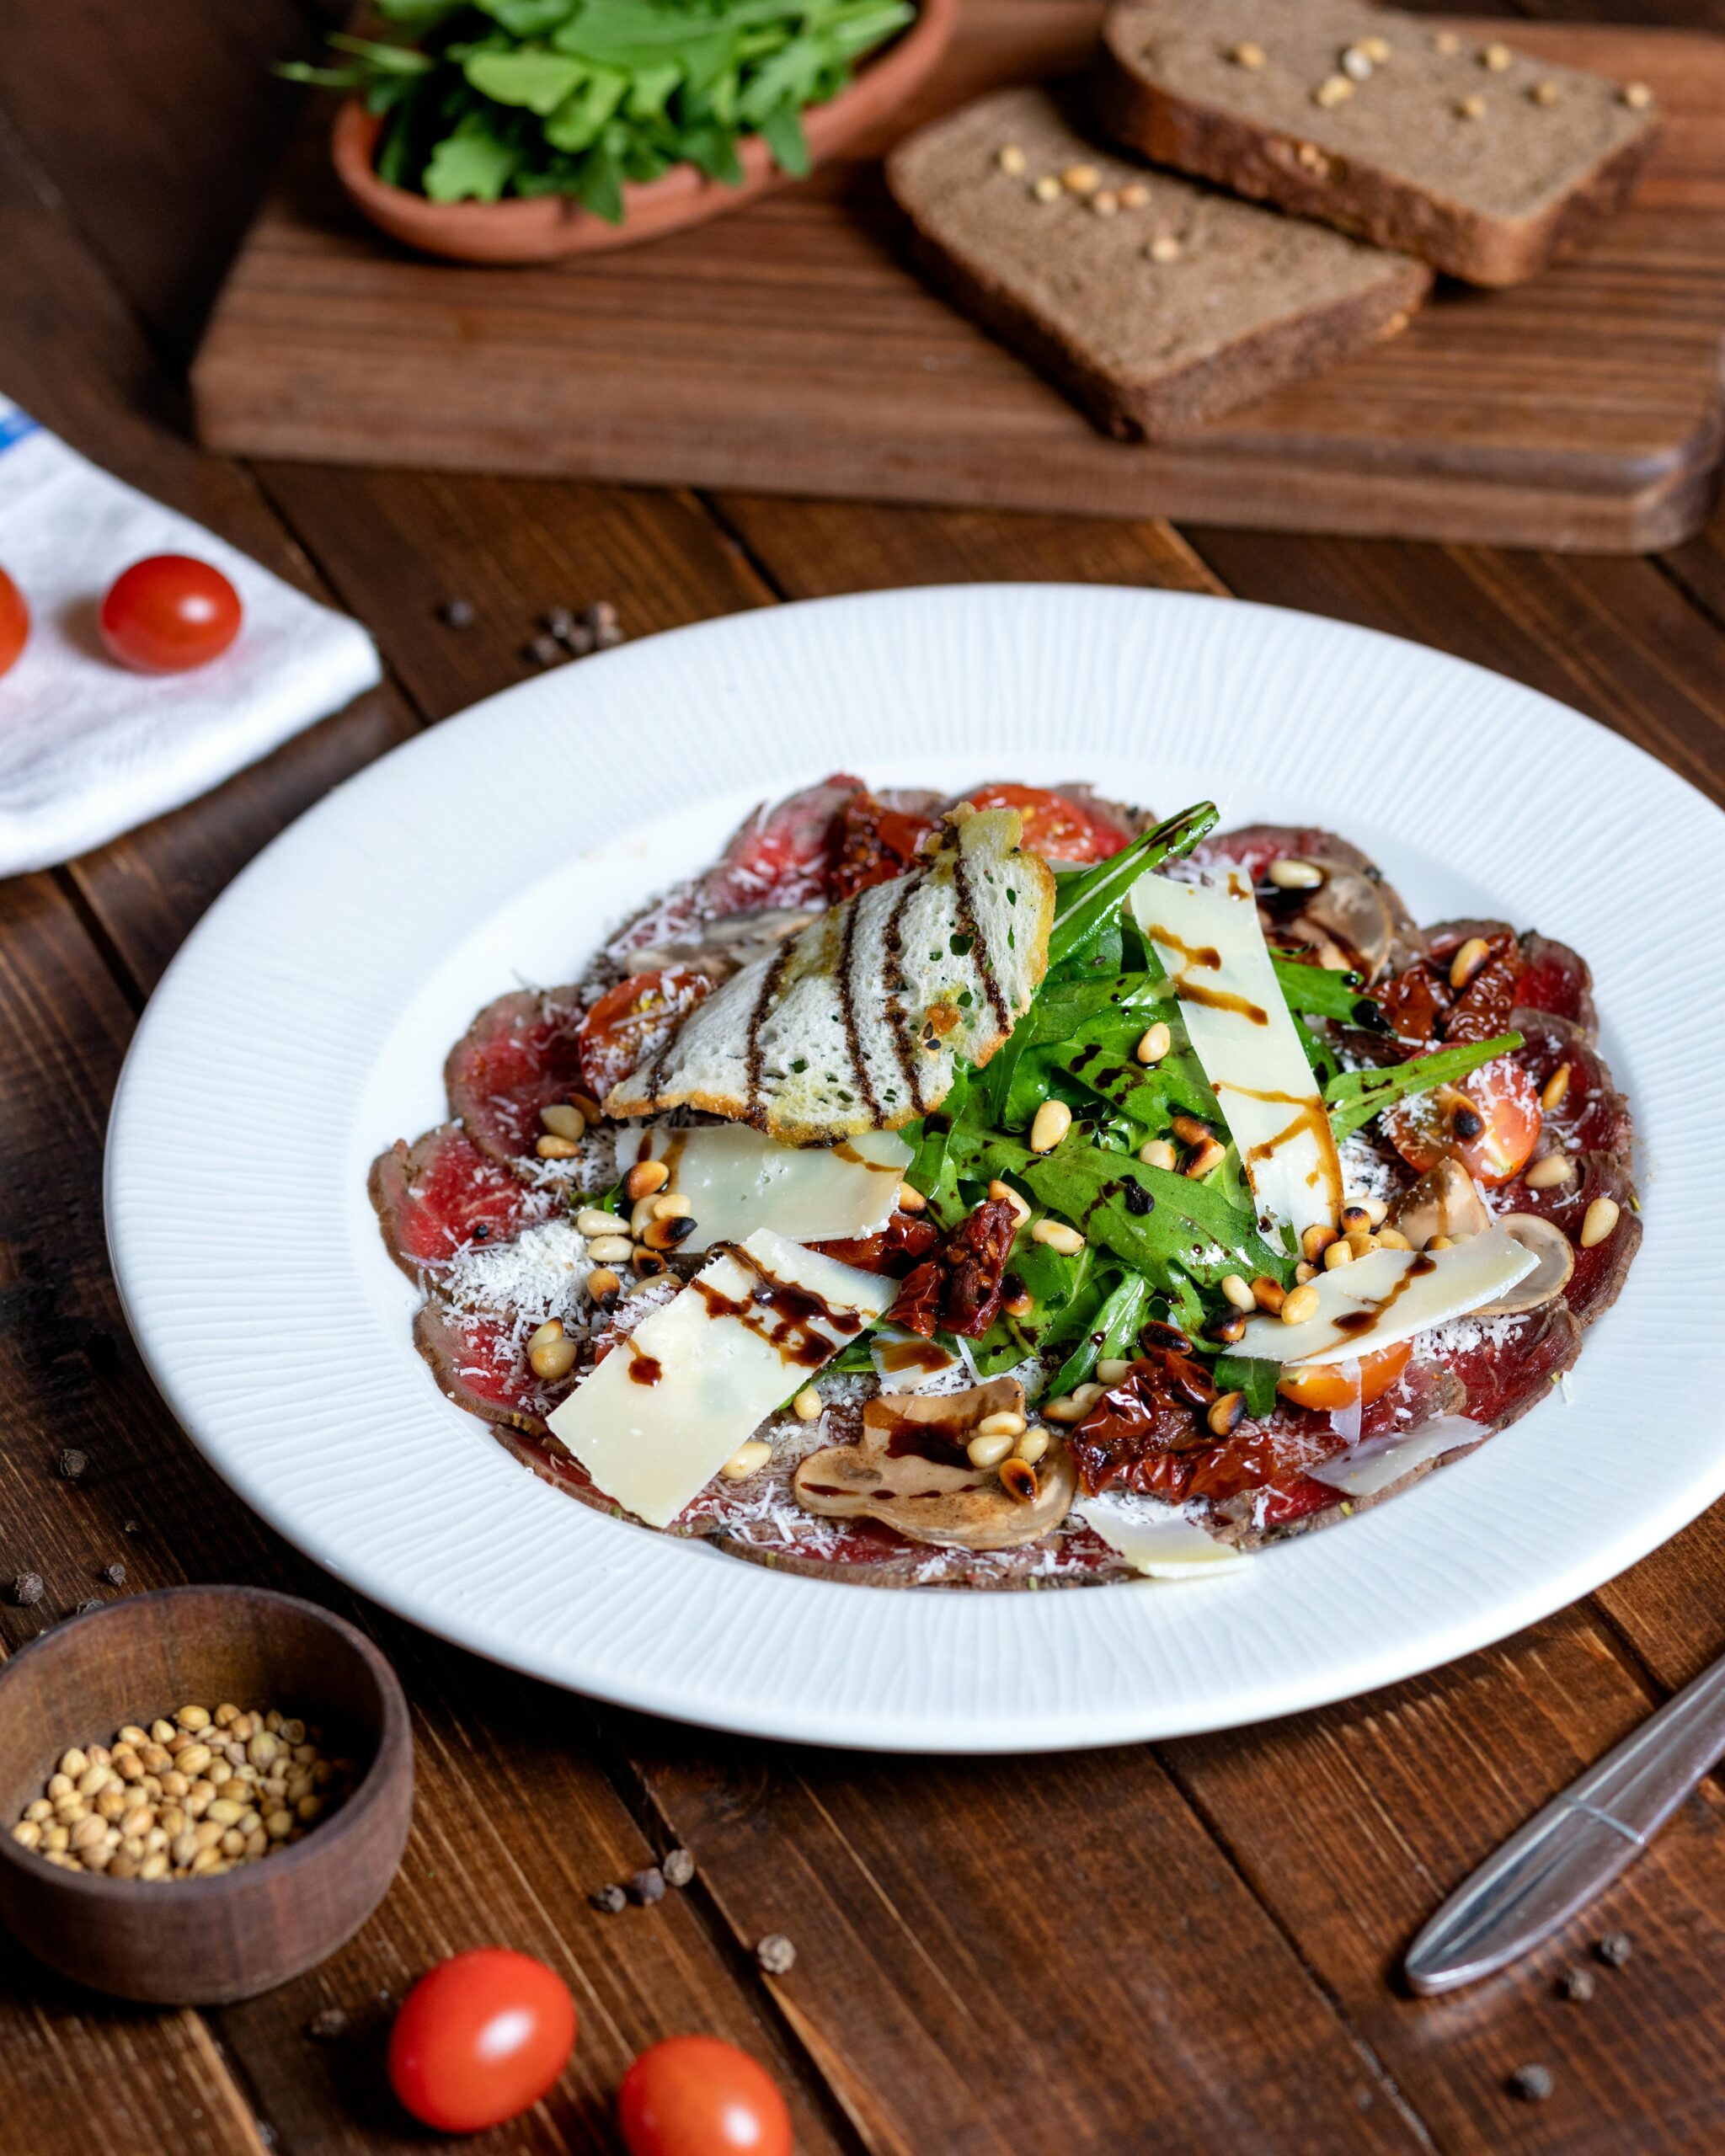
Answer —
960 1290
872 844
1136 1433
906 1236
918 1305
1422 1006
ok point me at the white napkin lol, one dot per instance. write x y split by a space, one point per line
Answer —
88 748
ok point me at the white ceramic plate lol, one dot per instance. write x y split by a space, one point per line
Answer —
305 1023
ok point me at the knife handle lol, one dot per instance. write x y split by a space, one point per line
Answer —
1570 1852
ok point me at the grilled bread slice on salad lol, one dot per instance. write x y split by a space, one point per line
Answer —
858 1023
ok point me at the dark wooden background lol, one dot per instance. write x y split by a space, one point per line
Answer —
1186 1946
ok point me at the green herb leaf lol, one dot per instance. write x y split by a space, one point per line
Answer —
782 128
1084 901
1255 1376
470 165
533 77
1355 1097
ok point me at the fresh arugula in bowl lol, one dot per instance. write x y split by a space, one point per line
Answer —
481 98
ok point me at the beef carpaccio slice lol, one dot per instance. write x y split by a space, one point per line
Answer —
519 1055
471 1182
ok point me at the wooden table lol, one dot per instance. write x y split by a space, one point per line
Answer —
1176 1947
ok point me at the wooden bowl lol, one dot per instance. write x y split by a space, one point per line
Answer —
542 227
195 1942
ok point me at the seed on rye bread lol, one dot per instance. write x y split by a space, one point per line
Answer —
1412 160
1149 338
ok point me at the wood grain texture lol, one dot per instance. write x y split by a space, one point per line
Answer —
787 350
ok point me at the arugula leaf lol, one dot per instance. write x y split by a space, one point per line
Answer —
1254 1376
1355 1097
470 164
1190 1226
1083 902
782 128
532 77
1114 1333
1318 992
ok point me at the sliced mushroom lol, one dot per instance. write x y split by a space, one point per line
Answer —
1348 919
1445 1201
724 946
911 1470
1549 1277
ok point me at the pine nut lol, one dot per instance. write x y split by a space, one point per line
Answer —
1239 1292
1073 1407
556 1149
648 1263
610 1249
1548 1172
1544 94
1598 1221
1268 1294
1300 1304
1303 1272
1111 1369
1019 1305
1333 90
1003 1194
1004 1423
1105 202
1154 1042
1377 49
1497 58
1047 189
1224 1414
641 1217
1053 1119
1080 179
1362 1244
1246 54
1392 1239
603 1283
555 1360
806 1404
672 1205
1012 160
593 1220
1471 108
1466 965
1555 1089
1637 96
1440 1242
1033 1445
1134 195
910 1199
1159 1154
1206 1156
667 1229
1291 875
989 1451
562 1121
1317 1240
551 1330
1356 64
1067 1241
1356 1220
645 1179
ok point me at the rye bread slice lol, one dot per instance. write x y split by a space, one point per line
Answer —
1245 302
1481 161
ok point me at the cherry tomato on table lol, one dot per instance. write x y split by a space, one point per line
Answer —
14 621
695 2096
479 2038
628 1022
168 614
1058 829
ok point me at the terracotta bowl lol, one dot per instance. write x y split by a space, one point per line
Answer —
203 1941
542 228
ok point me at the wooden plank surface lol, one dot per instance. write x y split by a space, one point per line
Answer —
787 349
1182 1947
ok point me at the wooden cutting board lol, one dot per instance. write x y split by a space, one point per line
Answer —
788 350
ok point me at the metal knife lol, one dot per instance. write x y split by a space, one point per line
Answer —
1565 1855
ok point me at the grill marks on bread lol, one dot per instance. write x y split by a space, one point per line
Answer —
857 1023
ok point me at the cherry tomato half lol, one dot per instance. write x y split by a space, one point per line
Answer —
695 2096
479 2038
14 623
1490 1123
628 1022
1057 828
168 614
1328 1385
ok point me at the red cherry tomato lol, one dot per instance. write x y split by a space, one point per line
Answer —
1054 827
1490 1123
14 623
1326 1386
695 2096
479 2038
168 614
630 1021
